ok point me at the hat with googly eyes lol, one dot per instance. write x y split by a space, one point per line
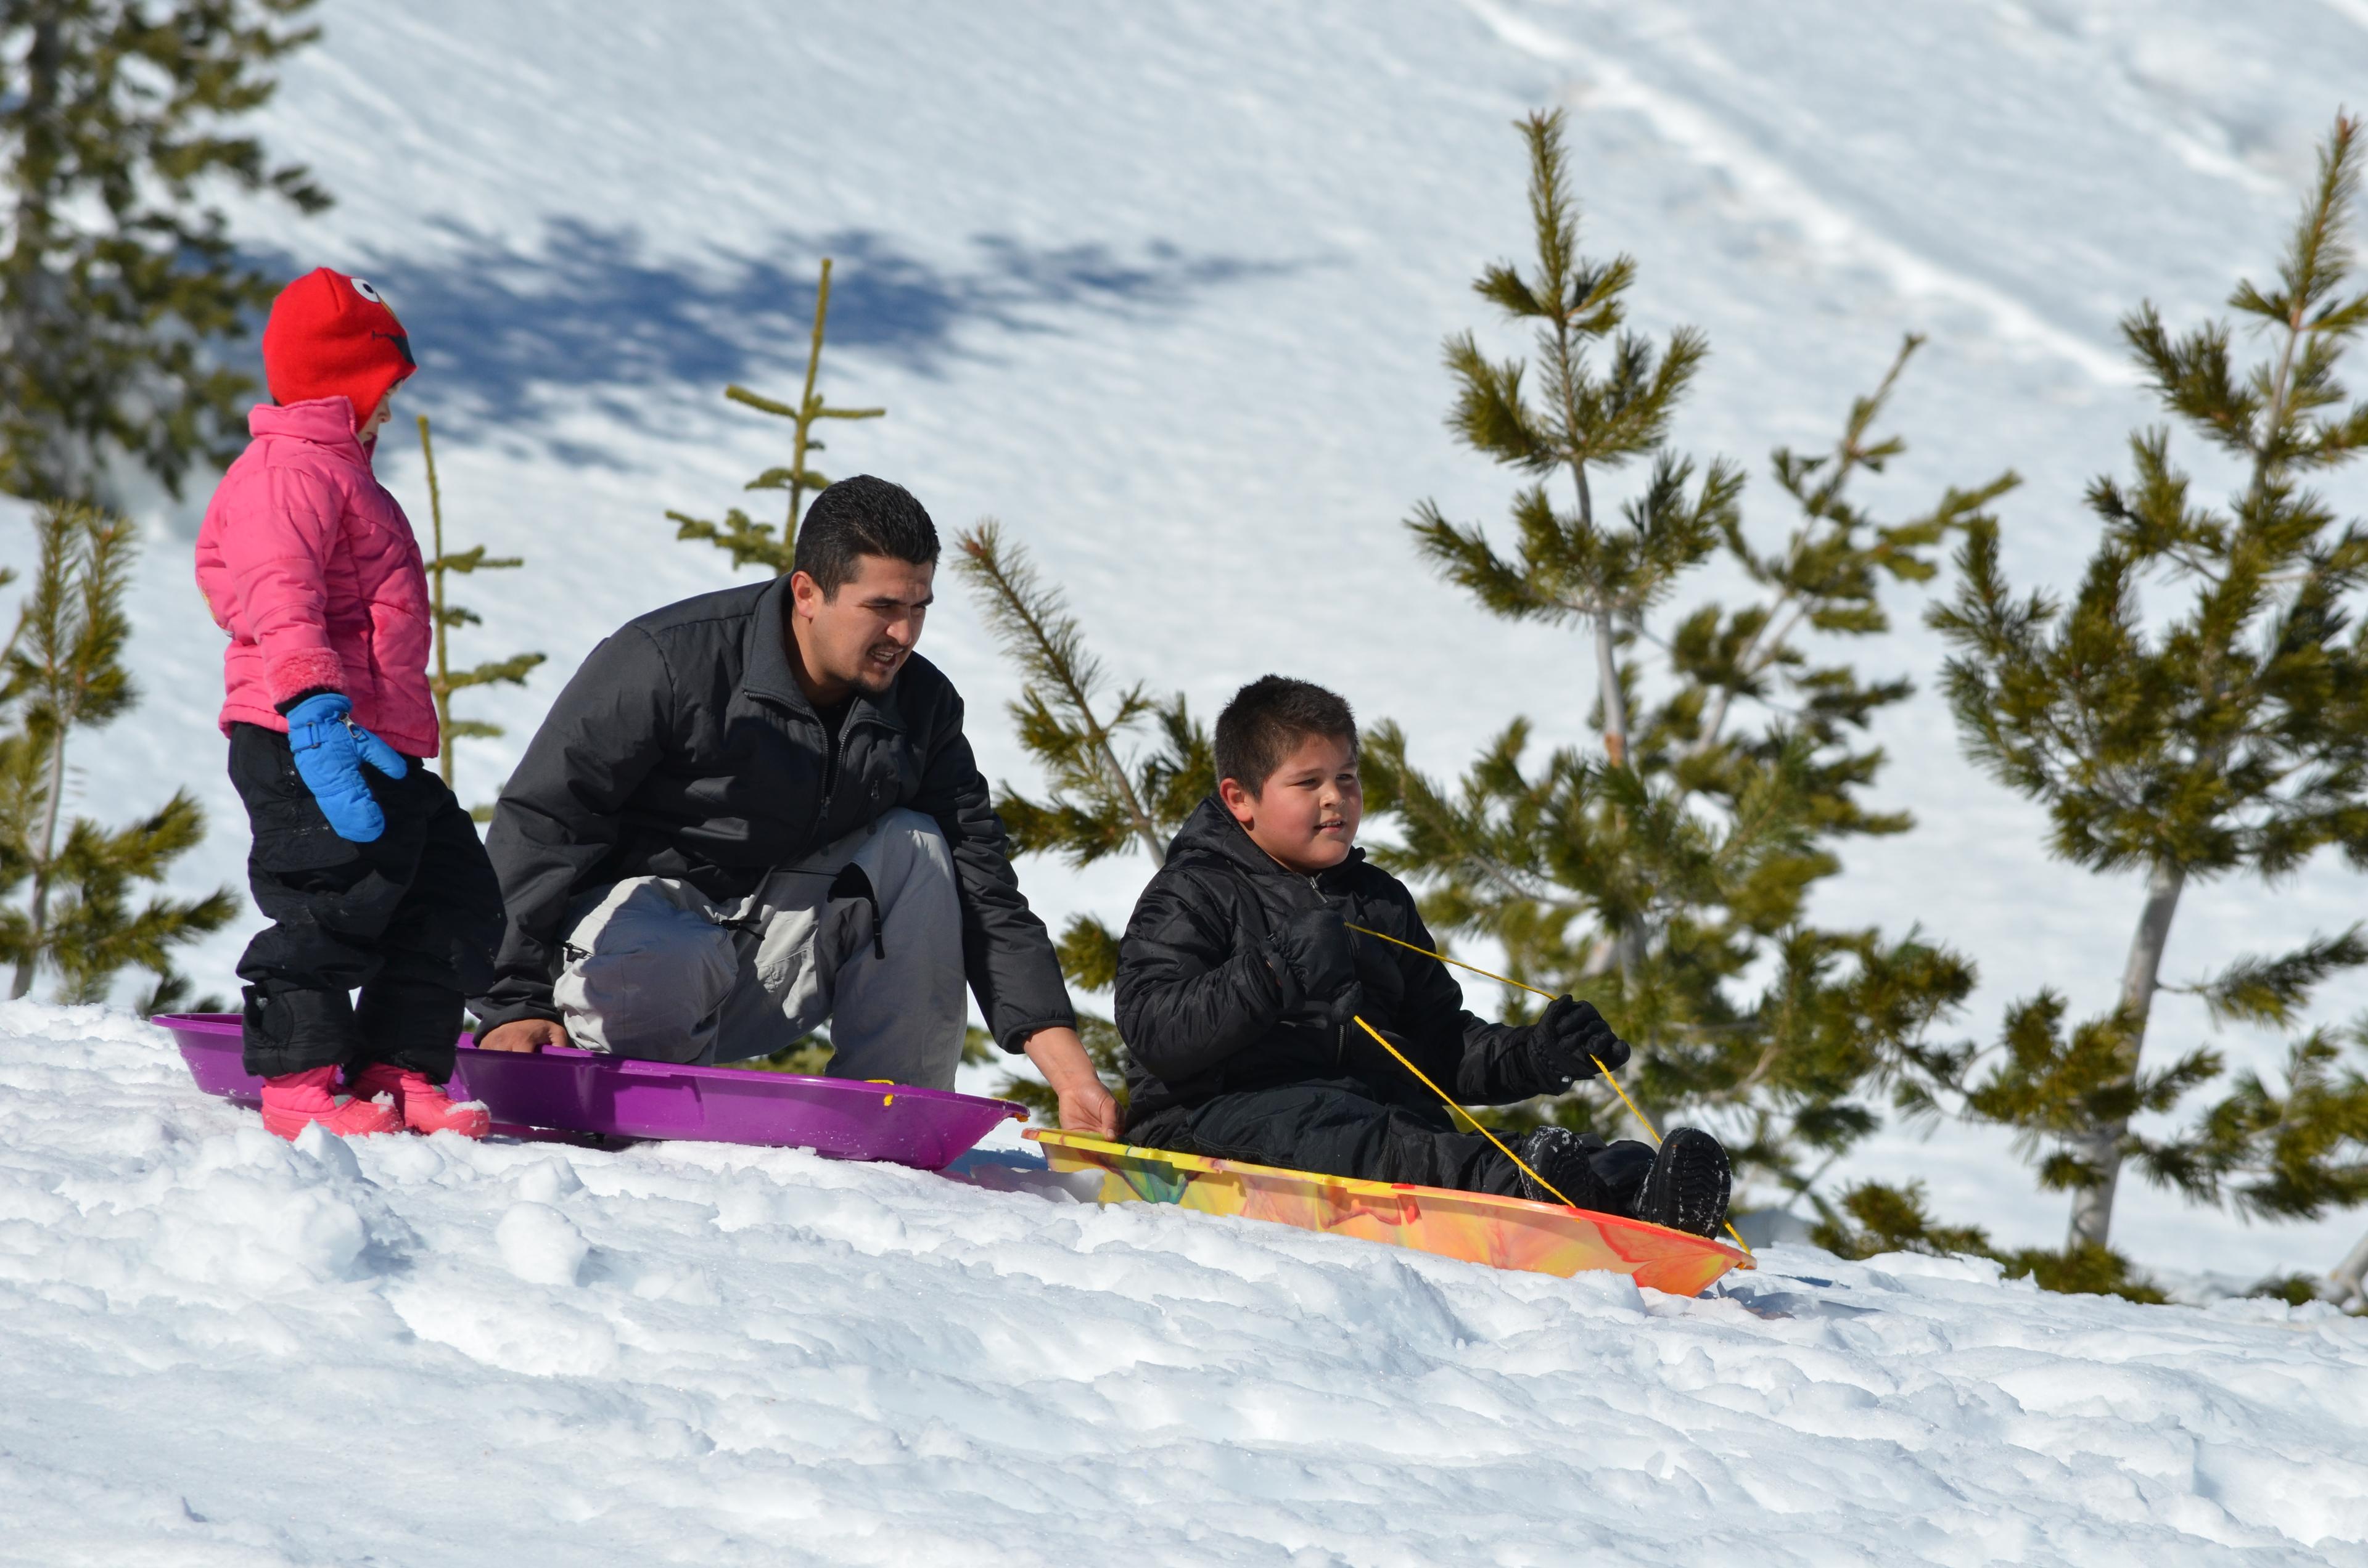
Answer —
331 336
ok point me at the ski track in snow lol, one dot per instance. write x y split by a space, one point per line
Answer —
1766 185
226 1351
1163 288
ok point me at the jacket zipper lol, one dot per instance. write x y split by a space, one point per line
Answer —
837 756
822 816
1339 1031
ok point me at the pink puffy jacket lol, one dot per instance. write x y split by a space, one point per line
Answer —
309 566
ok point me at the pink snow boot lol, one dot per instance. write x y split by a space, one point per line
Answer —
294 1101
426 1108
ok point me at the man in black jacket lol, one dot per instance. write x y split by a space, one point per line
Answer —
756 811
1240 986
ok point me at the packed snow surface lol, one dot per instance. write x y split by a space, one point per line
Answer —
222 1349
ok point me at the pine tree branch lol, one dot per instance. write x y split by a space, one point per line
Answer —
1034 626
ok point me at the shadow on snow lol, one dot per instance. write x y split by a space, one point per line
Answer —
499 330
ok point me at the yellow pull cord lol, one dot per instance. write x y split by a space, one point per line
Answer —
1641 1120
1625 1100
1467 1116
1509 980
1488 973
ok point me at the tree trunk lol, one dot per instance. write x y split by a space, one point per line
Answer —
436 572
1615 702
2092 1206
43 867
805 418
31 338
1628 943
2344 1280
38 160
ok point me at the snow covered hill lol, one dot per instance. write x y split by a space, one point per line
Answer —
1162 286
223 1350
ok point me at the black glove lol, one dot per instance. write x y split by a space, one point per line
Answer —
1316 966
1572 1037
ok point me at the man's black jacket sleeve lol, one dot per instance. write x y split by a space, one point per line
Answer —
1008 955
561 813
1186 1001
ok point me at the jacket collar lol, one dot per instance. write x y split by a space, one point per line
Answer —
766 672
323 422
1212 829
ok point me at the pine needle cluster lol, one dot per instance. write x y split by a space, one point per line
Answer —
79 917
117 279
1123 769
1669 877
752 543
2196 709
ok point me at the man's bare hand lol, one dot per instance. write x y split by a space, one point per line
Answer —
522 1034
1086 1104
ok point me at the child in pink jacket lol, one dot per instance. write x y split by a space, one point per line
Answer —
371 874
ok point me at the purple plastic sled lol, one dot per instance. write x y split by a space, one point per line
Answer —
567 1090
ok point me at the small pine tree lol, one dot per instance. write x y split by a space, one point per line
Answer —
1107 796
115 123
64 673
1570 567
1657 878
2225 735
754 543
512 671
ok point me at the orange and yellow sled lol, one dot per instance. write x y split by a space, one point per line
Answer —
1474 1227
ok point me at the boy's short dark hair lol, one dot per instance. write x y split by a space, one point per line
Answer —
857 516
1268 718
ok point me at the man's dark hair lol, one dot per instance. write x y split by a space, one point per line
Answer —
862 515
1268 718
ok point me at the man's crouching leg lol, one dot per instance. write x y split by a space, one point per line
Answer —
866 934
647 973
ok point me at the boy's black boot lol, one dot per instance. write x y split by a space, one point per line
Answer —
1688 1187
1563 1158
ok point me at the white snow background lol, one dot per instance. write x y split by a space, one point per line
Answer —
1162 286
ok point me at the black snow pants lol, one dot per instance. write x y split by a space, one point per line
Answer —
410 920
1336 1127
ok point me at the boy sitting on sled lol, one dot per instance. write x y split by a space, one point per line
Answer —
1240 983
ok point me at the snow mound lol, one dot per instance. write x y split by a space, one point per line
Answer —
227 1350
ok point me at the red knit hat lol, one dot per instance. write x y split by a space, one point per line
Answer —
331 336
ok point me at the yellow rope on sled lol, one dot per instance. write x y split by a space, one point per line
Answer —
1467 1116
1641 1120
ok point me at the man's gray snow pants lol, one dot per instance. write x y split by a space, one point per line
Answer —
866 933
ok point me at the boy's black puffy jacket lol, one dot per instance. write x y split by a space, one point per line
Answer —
684 747
1202 1013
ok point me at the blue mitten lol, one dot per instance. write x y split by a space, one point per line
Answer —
330 750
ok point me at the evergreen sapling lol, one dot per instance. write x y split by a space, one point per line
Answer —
1112 788
446 615
1662 877
2219 730
116 278
750 542
64 673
